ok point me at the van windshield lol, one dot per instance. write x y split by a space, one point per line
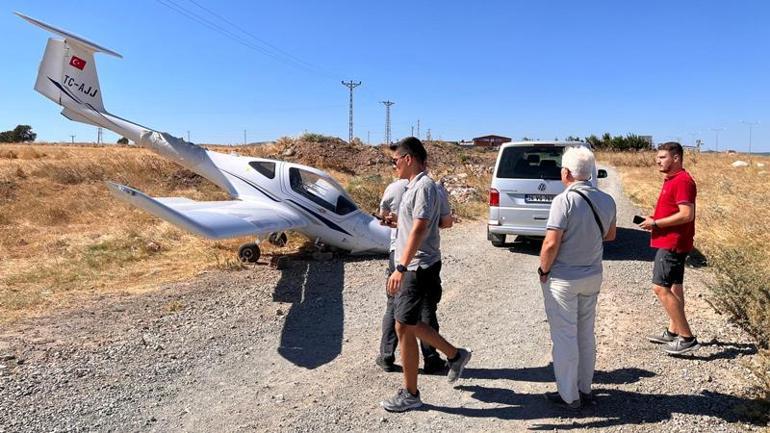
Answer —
530 163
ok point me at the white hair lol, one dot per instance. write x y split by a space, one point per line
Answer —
580 161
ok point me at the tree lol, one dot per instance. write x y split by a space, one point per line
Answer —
20 134
123 140
594 141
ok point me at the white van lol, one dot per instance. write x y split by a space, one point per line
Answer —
527 177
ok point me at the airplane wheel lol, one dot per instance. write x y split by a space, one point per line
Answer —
249 253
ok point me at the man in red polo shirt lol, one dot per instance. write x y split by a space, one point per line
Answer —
673 229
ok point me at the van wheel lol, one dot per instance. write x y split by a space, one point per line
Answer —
497 240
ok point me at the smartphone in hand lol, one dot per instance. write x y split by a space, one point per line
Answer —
638 219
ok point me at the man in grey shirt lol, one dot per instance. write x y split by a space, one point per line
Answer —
570 271
418 259
389 205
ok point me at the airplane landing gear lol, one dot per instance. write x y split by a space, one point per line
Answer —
249 253
278 239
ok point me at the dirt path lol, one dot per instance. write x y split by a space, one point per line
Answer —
293 350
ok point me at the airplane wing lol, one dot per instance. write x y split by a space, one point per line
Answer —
214 219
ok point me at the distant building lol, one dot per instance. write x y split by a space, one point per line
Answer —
490 140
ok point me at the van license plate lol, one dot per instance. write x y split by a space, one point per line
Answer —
538 198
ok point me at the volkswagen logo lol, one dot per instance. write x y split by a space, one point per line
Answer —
541 187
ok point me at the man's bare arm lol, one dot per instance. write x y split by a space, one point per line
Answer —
446 221
550 248
685 215
611 233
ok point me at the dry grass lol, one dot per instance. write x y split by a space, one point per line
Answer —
732 229
62 234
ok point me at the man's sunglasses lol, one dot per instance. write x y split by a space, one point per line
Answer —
395 160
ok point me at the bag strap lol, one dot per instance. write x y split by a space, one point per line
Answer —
591 205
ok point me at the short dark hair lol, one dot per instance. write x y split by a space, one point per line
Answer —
672 147
411 146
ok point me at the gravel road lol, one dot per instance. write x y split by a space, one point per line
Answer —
293 350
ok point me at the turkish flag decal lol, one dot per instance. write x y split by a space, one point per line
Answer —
77 62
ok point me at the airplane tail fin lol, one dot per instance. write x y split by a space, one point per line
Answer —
67 73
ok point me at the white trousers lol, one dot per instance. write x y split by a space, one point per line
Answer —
570 306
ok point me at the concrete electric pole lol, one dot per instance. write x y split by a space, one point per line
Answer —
716 138
750 125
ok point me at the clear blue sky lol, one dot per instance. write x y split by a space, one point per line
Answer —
541 69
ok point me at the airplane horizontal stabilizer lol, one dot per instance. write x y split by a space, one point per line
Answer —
213 219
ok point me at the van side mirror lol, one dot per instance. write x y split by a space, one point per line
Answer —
602 173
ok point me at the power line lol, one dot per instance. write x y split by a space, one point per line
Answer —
279 56
351 85
387 120
256 38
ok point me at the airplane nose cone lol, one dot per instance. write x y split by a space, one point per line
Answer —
379 235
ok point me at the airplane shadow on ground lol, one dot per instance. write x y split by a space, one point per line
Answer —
313 330
613 407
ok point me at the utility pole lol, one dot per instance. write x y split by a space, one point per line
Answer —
98 135
427 136
351 85
750 125
412 134
73 139
188 135
244 137
368 142
716 138
693 138
387 120
418 128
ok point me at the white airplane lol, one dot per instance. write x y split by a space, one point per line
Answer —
269 197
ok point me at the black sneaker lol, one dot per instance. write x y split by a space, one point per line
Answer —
434 365
664 338
555 398
587 399
385 363
680 346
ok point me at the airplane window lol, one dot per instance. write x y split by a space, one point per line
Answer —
265 168
323 192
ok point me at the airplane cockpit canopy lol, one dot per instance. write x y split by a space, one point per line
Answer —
322 190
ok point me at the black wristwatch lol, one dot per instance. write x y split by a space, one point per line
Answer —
541 273
401 268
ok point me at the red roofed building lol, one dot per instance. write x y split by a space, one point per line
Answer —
490 140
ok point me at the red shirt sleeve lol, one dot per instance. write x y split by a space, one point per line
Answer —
685 192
